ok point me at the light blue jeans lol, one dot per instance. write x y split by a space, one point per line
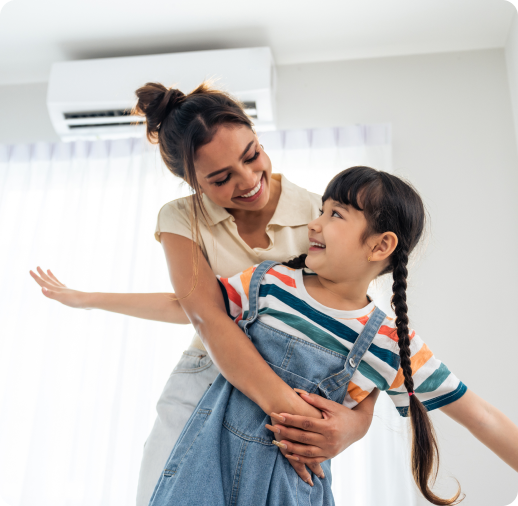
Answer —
182 392
225 445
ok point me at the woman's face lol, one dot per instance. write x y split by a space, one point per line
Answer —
233 170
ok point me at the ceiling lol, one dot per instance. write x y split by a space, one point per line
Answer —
36 33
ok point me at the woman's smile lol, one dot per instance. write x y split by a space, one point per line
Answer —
254 194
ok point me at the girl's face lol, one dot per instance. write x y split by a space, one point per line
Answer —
233 170
337 251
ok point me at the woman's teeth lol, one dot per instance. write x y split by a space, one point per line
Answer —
253 192
317 244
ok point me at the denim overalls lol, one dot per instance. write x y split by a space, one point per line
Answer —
225 456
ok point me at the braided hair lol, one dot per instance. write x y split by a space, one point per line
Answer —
390 204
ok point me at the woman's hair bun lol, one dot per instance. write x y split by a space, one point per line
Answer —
155 102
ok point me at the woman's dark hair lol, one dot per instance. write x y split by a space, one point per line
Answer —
180 124
392 205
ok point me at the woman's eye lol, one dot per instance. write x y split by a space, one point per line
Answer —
335 213
253 157
223 181
320 212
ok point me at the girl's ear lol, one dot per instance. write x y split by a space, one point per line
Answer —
385 245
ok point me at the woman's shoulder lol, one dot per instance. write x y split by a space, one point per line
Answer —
181 206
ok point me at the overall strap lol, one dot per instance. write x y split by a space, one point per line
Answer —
253 292
354 357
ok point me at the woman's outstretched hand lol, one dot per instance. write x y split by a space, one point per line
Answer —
52 288
310 441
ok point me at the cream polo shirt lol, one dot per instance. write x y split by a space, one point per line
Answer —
226 252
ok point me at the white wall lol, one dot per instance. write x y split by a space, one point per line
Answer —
511 56
23 114
454 139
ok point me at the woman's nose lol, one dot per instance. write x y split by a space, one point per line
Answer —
249 180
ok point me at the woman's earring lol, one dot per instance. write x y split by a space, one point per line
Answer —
369 259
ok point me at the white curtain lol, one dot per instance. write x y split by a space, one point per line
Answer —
78 388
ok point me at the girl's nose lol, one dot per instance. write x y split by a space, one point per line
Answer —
315 225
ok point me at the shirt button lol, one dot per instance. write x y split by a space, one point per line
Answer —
352 362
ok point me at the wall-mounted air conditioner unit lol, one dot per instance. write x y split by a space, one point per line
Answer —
92 99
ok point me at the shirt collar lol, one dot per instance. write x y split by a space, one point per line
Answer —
293 209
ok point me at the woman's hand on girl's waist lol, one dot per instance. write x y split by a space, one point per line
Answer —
311 441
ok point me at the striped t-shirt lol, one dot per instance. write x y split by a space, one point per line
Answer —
284 304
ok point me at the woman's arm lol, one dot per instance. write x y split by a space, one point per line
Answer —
232 352
488 424
150 306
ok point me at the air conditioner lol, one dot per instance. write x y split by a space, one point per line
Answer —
92 99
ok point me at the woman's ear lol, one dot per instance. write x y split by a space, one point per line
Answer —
385 245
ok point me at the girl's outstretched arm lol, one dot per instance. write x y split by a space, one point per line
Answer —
488 424
150 306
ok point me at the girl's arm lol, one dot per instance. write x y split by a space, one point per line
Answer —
489 425
150 306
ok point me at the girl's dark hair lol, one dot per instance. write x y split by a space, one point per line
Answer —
393 205
180 124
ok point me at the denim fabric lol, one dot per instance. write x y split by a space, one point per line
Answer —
182 392
225 444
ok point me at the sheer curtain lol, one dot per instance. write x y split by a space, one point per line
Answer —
78 388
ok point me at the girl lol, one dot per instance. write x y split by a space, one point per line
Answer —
321 333
239 215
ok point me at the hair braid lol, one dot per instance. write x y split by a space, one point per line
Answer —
399 287
425 451
297 262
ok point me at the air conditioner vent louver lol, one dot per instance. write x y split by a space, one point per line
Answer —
114 113
93 125
94 99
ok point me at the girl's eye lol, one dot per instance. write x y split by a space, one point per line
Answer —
253 158
320 212
223 181
334 212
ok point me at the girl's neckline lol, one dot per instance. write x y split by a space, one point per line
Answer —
335 313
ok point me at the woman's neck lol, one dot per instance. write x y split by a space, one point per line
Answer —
344 296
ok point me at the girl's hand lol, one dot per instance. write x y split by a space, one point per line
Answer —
310 441
52 288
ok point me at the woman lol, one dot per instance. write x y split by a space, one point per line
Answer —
240 214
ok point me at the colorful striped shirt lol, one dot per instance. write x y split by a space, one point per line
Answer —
284 304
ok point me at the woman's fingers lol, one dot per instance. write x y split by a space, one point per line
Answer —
307 451
299 467
301 436
55 279
315 467
302 422
40 281
44 276
301 470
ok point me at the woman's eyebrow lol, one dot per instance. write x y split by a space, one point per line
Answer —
226 168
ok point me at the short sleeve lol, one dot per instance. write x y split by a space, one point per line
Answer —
175 218
235 293
434 384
